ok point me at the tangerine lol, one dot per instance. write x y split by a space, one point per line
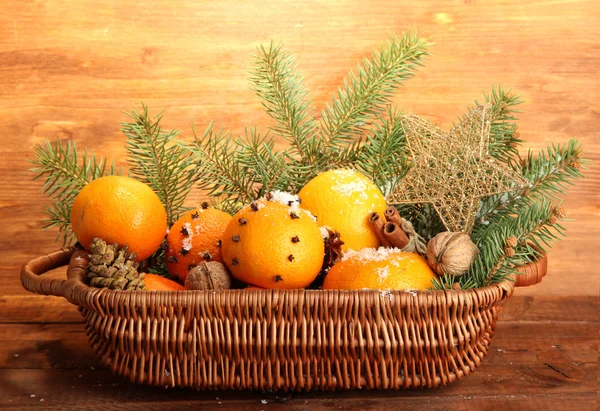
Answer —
342 200
119 210
274 244
381 269
195 237
153 282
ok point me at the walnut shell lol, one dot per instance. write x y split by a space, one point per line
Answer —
210 275
451 253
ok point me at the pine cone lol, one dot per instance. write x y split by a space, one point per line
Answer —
113 267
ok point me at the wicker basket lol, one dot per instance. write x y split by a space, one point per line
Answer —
279 340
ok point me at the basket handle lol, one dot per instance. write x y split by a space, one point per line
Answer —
31 273
532 273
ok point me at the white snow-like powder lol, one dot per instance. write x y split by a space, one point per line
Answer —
324 232
344 172
383 273
290 200
370 254
186 244
348 189
285 198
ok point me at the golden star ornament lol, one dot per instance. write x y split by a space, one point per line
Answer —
453 171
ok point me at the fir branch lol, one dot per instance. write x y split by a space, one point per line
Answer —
220 172
265 167
366 92
383 157
549 174
66 174
504 138
283 94
59 216
155 160
535 224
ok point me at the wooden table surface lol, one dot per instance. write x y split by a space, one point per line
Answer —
69 68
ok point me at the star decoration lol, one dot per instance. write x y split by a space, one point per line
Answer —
453 171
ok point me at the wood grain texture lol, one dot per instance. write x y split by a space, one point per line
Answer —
69 68
544 356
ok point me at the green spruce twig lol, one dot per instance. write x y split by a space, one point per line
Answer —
383 157
504 137
280 88
156 160
220 173
66 173
533 228
549 174
266 168
366 92
235 171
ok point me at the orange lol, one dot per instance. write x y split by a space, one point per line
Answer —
274 245
382 269
153 282
119 210
343 200
195 237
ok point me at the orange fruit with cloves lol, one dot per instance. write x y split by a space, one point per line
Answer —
196 236
273 243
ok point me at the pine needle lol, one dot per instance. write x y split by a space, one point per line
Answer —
65 175
280 88
156 160
383 157
366 92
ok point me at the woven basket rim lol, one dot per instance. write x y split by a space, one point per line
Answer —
79 291
364 290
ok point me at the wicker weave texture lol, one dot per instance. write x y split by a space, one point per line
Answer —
280 340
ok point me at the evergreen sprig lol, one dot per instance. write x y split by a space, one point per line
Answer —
533 228
66 173
549 174
504 137
235 171
156 160
383 157
530 215
280 88
366 92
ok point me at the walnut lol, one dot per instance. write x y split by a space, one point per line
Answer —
451 253
210 275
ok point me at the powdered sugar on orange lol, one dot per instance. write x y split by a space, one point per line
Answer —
380 269
343 199
370 254
290 200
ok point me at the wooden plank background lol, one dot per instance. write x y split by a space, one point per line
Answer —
69 68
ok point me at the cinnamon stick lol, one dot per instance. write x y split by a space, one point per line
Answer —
395 235
377 224
393 216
